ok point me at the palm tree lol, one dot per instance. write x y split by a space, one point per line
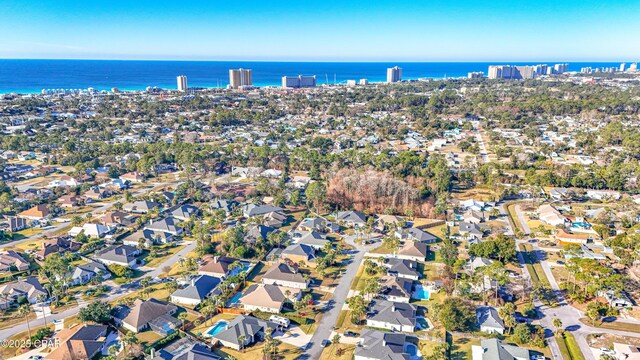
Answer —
557 323
25 310
335 340
182 316
41 299
129 339
241 340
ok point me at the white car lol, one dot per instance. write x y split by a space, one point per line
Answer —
607 351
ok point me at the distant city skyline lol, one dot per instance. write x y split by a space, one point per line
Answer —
409 31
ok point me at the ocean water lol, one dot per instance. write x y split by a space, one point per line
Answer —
31 76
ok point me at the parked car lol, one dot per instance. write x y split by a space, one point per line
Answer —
350 334
325 343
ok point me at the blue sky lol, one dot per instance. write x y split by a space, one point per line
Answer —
331 30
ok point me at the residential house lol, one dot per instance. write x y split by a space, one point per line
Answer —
199 289
251 210
352 218
475 205
57 245
414 251
379 345
147 238
274 219
226 205
473 217
551 216
415 234
245 327
268 298
124 255
318 224
183 212
69 201
315 239
11 260
386 222
407 269
394 316
16 223
561 194
166 225
132 177
626 351
185 349
80 342
300 254
114 218
218 266
90 230
257 233
618 300
96 193
478 262
396 289
300 182
137 317
471 231
489 321
494 349
82 274
38 213
286 275
140 207
29 288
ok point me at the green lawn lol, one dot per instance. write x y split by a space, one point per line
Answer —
568 346
164 253
615 325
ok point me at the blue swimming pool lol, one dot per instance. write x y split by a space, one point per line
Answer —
215 329
421 293
235 298
411 349
578 225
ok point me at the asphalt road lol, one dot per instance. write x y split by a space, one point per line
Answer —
330 317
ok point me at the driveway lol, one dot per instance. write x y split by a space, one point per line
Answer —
295 336
330 317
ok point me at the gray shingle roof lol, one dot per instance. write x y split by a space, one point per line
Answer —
488 316
199 288
392 312
382 345
494 349
247 326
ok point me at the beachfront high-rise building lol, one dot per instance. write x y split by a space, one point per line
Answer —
511 72
299 81
623 66
182 83
240 77
560 68
351 83
633 67
475 75
394 74
364 81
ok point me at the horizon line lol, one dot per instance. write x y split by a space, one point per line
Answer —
327 61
